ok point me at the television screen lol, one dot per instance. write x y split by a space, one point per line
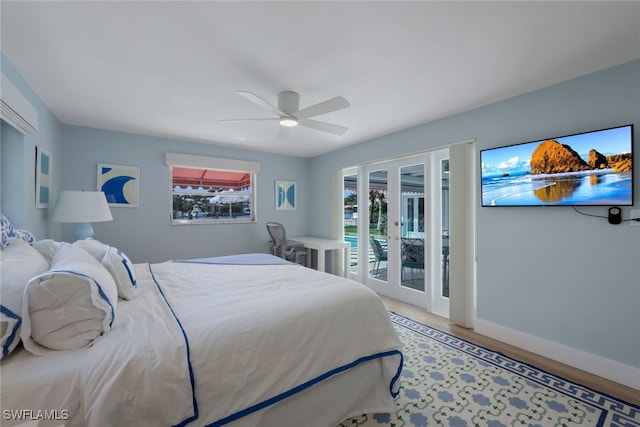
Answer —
586 169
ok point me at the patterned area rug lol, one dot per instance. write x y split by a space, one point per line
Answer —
447 381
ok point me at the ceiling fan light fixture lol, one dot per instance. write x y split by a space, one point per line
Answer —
288 122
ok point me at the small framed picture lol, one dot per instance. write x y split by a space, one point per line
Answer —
43 177
120 184
285 195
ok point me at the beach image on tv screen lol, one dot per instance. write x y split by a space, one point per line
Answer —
593 168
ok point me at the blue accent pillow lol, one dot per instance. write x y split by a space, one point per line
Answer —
8 233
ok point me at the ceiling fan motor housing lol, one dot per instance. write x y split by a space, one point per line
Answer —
288 102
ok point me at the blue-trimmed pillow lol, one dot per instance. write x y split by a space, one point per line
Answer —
19 262
8 233
69 306
122 270
116 262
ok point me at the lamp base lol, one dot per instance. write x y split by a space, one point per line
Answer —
82 230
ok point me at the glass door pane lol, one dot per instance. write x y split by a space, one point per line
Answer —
377 232
412 238
444 164
350 221
441 230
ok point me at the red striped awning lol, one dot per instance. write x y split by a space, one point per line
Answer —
210 179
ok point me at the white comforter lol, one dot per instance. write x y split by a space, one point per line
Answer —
209 344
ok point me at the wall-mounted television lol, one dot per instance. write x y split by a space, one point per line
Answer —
586 169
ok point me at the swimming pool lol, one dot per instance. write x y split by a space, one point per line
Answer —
352 240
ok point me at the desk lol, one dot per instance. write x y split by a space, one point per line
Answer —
321 245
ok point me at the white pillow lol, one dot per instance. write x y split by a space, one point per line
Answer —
47 248
70 306
116 262
96 248
122 270
19 262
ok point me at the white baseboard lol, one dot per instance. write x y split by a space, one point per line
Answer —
594 364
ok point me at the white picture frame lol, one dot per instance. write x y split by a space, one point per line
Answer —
285 195
120 184
44 163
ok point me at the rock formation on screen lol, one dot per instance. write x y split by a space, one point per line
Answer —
552 157
597 160
620 162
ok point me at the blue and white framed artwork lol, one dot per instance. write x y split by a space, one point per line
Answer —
285 195
120 184
43 177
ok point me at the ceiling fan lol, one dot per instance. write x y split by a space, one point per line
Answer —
289 112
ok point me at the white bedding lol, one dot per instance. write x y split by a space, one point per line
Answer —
218 345
38 383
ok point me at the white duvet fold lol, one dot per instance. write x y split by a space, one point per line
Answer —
139 375
257 332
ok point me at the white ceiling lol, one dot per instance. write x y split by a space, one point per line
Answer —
171 69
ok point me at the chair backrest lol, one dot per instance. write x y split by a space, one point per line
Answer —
278 238
376 247
413 251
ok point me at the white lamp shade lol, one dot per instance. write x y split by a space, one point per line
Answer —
81 206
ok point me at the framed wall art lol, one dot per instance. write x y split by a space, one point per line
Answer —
285 195
120 184
43 177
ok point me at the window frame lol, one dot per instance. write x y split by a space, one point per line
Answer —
174 160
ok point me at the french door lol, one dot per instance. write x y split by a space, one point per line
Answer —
401 228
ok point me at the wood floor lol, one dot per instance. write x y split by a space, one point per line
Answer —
565 371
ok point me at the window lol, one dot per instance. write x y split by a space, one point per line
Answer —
208 190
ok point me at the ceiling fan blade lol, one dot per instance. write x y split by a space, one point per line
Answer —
323 126
261 102
328 106
250 120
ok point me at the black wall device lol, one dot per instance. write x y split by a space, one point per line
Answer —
615 215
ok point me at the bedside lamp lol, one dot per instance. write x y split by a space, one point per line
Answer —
83 208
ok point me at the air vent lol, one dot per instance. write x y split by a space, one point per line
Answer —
16 110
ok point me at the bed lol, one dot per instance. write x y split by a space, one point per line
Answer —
246 340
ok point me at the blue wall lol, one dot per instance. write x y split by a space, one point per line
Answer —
18 163
144 233
546 272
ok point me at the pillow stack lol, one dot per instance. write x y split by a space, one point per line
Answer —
58 296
